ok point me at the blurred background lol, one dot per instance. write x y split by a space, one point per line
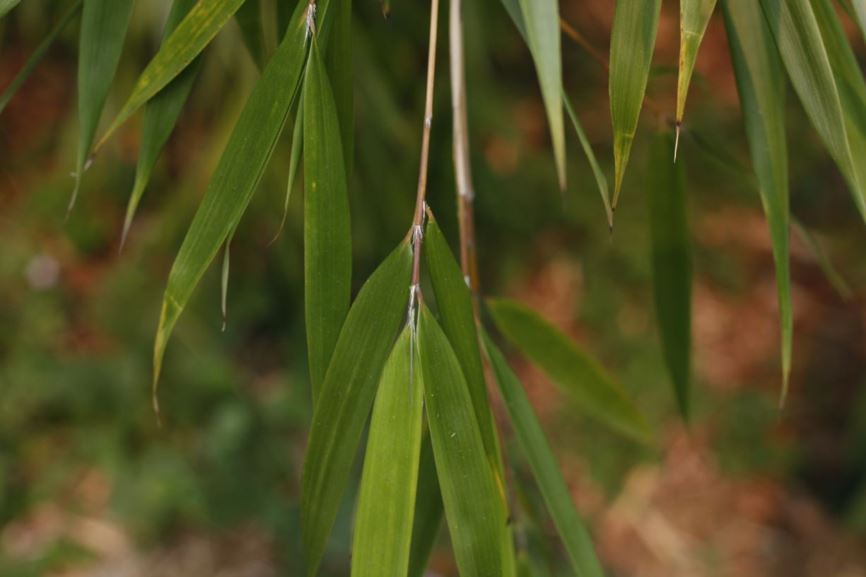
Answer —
91 486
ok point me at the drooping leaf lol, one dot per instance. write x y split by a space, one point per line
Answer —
556 496
103 30
160 117
386 503
600 179
833 276
339 64
860 14
569 367
631 49
694 17
235 179
294 162
346 396
38 54
191 36
327 237
474 508
671 265
514 11
798 36
7 5
428 512
249 19
541 20
761 85
852 93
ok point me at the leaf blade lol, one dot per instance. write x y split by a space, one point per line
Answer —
327 237
694 18
635 25
474 510
554 491
671 266
574 371
346 396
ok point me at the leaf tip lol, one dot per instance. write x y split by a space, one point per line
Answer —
677 138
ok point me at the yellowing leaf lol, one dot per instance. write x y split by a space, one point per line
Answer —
694 17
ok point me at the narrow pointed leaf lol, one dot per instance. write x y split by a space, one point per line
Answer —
339 63
235 179
7 5
294 162
249 19
428 512
694 17
761 85
474 509
346 396
327 237
798 36
671 265
103 30
852 93
160 117
38 54
192 35
541 20
635 24
860 13
571 528
569 367
386 503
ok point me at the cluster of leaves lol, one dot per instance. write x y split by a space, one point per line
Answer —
367 356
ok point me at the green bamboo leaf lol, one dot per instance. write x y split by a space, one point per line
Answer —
454 302
38 54
833 276
294 162
249 19
798 36
474 508
191 36
694 17
346 396
671 263
556 496
631 49
386 503
600 180
428 512
541 19
7 5
160 117
761 85
568 366
235 179
852 93
327 237
103 30
860 14
339 63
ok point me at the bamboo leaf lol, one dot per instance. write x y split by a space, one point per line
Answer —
346 396
541 19
38 54
454 302
556 496
568 366
671 265
249 19
327 237
428 512
798 36
386 504
103 30
294 162
474 509
339 63
235 179
694 17
191 36
860 14
600 180
631 48
160 117
7 5
761 85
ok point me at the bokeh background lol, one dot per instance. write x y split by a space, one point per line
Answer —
90 486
